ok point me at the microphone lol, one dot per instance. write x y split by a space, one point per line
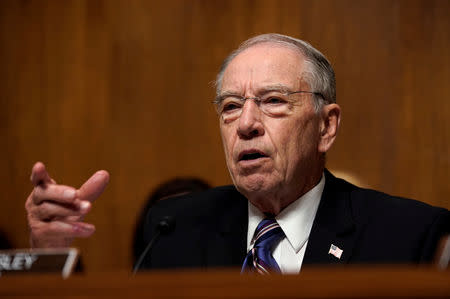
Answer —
164 226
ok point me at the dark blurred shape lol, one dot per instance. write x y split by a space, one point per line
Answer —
5 243
170 188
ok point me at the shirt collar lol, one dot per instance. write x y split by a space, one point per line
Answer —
295 220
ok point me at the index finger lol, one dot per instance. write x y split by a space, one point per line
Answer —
39 175
94 186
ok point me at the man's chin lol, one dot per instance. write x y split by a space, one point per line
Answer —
254 185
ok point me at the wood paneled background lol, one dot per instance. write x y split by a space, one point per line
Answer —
126 86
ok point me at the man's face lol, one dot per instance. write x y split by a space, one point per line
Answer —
272 158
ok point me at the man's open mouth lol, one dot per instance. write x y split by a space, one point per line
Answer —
251 155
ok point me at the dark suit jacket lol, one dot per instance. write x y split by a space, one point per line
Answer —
369 226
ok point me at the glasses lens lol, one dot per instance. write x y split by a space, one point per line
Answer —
230 107
275 103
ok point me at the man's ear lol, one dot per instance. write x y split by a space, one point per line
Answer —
329 125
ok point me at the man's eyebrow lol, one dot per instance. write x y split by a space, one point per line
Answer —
227 93
261 91
274 87
264 89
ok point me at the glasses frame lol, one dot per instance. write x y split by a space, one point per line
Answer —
217 102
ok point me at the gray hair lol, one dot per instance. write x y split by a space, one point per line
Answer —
319 73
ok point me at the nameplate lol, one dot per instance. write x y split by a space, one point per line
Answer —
19 261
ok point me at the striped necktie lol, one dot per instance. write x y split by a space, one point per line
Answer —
259 259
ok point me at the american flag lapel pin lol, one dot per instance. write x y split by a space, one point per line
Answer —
336 251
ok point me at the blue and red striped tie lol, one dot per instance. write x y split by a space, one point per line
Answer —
259 259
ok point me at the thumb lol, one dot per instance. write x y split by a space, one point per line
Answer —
94 186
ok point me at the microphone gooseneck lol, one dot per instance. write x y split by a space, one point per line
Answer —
164 226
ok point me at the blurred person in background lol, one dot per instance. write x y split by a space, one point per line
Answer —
170 188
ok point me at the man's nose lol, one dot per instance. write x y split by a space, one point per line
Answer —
250 124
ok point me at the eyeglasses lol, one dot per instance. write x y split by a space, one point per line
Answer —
272 103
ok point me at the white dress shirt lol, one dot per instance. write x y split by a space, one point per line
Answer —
296 221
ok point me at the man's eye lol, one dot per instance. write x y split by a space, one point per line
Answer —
274 101
228 107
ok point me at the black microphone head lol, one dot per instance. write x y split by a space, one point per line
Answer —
166 224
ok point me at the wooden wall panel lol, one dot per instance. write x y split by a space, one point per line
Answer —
126 86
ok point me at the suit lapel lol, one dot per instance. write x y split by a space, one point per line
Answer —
333 225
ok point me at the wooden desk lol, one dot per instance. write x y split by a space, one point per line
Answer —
353 282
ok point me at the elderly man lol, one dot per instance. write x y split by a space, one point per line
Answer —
278 117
